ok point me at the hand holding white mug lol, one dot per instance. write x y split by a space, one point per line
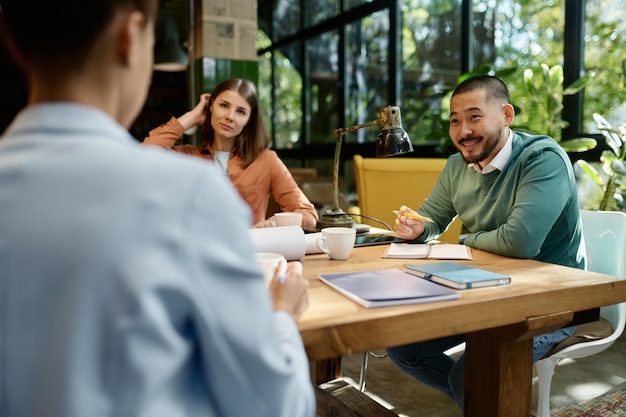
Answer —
271 264
291 294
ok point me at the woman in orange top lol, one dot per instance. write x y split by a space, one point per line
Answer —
236 139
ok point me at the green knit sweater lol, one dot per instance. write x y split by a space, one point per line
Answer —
528 210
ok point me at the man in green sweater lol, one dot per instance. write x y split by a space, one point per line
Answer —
516 195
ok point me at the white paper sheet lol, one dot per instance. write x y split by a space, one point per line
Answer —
289 241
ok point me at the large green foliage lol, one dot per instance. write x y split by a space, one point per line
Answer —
540 99
524 34
610 177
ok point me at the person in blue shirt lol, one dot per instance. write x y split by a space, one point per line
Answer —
128 283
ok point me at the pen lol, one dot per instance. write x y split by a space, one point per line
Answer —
282 272
414 216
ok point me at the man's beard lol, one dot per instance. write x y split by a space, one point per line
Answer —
488 148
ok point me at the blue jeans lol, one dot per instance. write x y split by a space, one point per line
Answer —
427 363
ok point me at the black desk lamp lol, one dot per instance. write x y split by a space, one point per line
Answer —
392 140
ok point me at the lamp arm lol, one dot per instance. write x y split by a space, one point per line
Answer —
339 134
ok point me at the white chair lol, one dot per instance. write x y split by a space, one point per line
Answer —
605 239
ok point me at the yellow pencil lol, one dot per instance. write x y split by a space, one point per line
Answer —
413 216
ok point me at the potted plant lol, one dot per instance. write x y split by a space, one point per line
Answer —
610 178
539 105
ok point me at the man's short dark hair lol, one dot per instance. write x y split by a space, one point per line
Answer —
44 31
496 89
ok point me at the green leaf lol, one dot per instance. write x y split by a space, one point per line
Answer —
591 171
528 79
607 159
614 142
555 104
546 71
579 144
619 167
555 77
505 72
579 84
480 70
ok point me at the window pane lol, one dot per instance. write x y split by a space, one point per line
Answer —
605 37
349 4
485 15
533 40
286 18
367 73
319 10
285 118
431 41
323 61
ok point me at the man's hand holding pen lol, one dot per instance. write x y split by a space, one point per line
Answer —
409 224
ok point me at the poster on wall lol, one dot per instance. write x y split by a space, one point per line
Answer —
229 29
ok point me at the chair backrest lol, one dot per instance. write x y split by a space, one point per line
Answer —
605 241
384 184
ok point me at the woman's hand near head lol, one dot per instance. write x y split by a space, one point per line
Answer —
197 115
292 294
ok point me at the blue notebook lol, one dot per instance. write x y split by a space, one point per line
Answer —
458 276
386 287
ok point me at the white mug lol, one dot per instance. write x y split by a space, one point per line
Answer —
337 242
287 219
268 262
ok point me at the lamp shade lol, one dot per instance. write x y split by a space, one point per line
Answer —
392 138
171 56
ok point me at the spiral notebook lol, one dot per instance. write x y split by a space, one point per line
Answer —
386 287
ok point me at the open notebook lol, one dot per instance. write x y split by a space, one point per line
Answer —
427 251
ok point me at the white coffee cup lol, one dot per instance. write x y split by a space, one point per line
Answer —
268 262
287 219
337 242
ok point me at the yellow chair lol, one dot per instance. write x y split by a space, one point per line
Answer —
385 184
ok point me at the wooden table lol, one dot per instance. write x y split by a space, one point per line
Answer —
499 321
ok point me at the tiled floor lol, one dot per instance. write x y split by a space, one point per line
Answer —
574 381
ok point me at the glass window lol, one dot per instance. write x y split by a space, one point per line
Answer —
349 4
431 43
526 32
320 10
367 73
532 41
286 18
605 37
280 79
325 91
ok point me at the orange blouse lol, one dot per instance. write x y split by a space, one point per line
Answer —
266 175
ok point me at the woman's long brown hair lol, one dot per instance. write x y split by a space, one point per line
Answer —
254 138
